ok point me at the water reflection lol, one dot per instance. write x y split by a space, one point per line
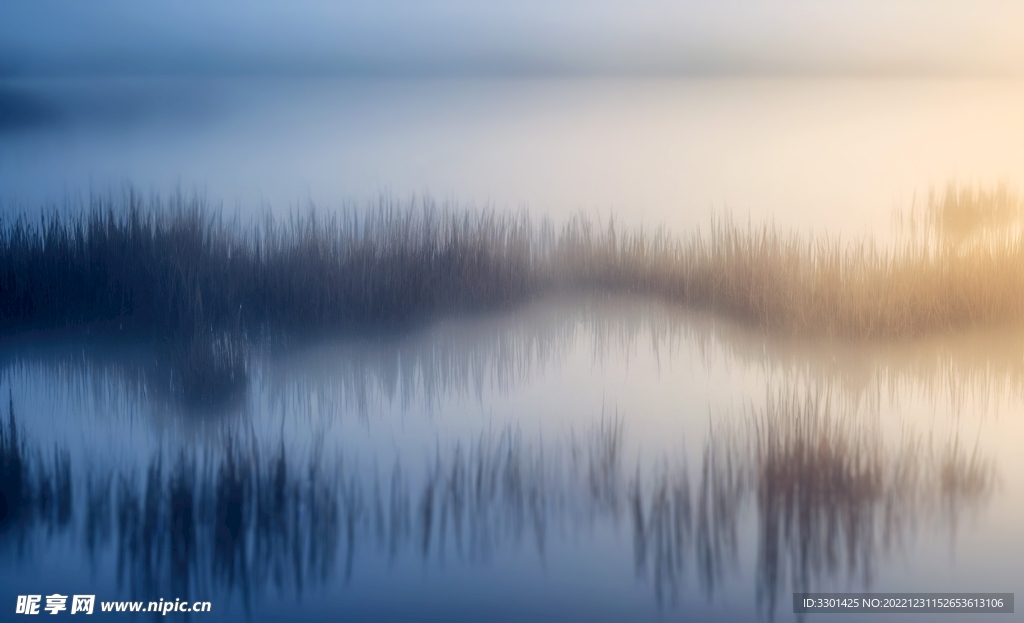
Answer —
30 498
828 492
493 355
831 493
231 526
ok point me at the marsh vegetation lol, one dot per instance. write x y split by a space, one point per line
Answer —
206 286
178 267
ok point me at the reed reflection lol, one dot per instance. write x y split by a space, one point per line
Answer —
481 356
35 489
830 496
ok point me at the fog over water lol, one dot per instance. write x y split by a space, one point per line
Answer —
568 457
821 116
837 155
461 36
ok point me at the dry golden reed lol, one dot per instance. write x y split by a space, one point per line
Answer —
959 264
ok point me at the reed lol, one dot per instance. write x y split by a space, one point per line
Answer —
207 285
177 267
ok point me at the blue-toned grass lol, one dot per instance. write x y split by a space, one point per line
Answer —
205 285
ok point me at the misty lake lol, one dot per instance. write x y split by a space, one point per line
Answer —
575 458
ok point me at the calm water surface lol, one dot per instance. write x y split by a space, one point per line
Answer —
573 459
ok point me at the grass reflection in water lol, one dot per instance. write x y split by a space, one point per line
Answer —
829 494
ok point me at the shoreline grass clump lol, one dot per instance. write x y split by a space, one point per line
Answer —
929 282
208 285
178 267
205 286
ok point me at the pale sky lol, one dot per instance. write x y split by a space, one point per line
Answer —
899 37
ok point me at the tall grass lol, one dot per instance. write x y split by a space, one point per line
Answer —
959 264
203 282
179 267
